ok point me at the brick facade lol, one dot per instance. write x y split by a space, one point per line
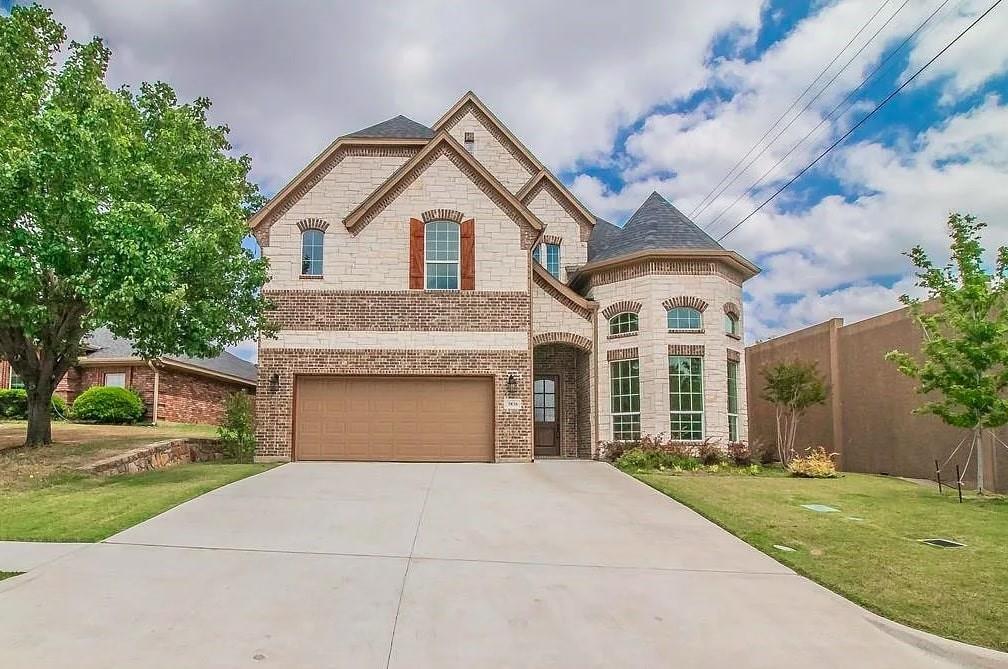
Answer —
274 406
571 367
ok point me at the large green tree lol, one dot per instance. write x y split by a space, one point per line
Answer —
965 335
118 208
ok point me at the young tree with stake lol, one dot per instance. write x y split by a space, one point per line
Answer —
965 347
117 209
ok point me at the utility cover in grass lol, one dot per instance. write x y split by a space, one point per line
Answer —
786 549
820 508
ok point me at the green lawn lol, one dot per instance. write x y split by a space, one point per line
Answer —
869 551
78 507
8 574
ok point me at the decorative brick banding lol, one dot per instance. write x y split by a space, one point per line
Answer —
663 266
624 307
274 408
312 224
494 131
577 341
393 310
585 227
692 350
734 356
442 215
552 239
685 301
622 354
732 309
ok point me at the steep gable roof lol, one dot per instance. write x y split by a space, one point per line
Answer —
441 144
398 127
471 102
656 225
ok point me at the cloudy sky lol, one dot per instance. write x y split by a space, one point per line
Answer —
620 99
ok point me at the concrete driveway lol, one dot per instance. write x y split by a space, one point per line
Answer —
552 564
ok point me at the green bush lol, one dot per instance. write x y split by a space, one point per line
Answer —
237 430
639 457
14 405
815 464
105 404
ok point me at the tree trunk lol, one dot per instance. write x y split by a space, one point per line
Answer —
39 415
978 442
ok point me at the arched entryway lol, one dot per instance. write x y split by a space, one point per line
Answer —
561 395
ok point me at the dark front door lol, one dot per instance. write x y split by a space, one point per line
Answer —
546 410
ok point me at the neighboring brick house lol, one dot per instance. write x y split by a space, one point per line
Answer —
440 295
174 389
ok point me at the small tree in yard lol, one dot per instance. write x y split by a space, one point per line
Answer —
117 209
965 347
792 387
237 430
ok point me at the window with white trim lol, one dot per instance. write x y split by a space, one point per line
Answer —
441 255
624 383
686 400
733 400
684 318
624 323
311 252
731 325
16 382
115 379
552 260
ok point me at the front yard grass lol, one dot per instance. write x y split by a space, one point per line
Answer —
869 551
8 574
80 507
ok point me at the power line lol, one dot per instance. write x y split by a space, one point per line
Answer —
861 122
803 110
842 105
788 110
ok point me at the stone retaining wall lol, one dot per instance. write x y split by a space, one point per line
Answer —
159 455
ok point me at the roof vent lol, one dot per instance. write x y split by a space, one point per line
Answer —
470 142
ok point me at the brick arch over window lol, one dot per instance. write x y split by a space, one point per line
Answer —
552 239
442 215
583 343
732 309
312 224
624 307
685 301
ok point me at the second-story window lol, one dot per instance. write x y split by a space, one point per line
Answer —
311 252
731 325
441 255
684 318
621 324
548 255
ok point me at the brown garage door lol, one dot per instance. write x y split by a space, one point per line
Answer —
437 419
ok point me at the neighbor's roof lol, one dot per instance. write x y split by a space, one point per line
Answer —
398 127
656 225
103 345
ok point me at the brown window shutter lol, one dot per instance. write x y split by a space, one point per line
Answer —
416 254
468 261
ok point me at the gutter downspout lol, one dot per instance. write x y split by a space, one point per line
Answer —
157 378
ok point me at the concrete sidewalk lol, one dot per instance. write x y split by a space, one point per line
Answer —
553 564
27 555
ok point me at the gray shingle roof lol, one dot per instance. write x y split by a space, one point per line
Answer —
106 345
655 225
399 127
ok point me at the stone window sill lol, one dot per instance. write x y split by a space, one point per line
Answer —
686 331
734 336
622 335
311 277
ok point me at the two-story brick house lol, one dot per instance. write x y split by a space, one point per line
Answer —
441 296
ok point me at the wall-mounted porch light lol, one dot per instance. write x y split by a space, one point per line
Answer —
274 382
512 384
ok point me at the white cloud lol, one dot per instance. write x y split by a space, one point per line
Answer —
289 78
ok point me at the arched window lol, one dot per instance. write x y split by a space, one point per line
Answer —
311 252
684 318
624 323
441 255
731 325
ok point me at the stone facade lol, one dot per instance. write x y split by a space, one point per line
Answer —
656 292
361 317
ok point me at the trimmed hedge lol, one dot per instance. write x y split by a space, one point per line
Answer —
14 405
106 404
